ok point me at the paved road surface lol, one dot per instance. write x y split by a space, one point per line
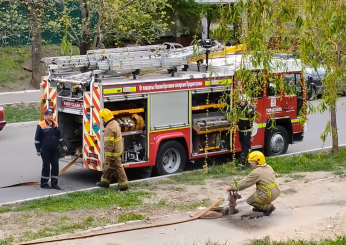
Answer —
14 97
20 163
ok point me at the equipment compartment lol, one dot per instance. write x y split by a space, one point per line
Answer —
210 126
131 117
71 129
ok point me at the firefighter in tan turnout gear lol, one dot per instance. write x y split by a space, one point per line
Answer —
113 147
267 189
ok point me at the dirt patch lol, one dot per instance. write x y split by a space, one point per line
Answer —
301 212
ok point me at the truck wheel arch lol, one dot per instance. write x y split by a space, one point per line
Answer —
177 145
283 128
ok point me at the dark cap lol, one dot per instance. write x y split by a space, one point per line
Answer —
48 111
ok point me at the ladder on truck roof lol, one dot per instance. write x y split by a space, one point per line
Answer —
133 59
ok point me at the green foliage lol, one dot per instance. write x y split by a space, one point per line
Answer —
314 31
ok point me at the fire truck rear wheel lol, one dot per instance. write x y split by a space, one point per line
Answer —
276 141
171 158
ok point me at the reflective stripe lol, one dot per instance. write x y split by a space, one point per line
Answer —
113 154
54 177
123 184
245 119
269 193
61 139
42 177
117 139
37 142
46 127
105 180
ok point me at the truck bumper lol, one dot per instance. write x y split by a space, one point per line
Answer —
2 124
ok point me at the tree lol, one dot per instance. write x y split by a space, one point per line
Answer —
36 10
15 23
140 21
314 29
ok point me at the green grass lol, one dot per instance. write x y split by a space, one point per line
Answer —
13 76
128 217
84 200
323 161
58 229
22 112
339 241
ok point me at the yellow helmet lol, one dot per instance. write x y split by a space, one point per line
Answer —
106 115
257 156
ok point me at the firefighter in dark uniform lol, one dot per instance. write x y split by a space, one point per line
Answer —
47 141
246 114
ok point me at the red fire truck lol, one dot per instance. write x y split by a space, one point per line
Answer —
160 94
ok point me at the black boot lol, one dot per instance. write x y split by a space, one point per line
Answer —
56 187
117 188
46 186
102 184
258 210
269 211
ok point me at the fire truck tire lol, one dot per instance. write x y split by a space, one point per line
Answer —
171 158
277 141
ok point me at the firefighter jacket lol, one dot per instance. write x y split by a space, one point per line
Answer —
246 115
47 137
113 144
264 178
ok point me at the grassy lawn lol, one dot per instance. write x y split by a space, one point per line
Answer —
323 161
13 76
176 194
338 241
22 112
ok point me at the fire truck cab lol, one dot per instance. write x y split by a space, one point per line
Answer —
167 104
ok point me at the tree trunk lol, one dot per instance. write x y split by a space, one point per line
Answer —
333 124
35 13
85 42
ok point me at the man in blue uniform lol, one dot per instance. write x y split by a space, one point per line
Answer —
47 141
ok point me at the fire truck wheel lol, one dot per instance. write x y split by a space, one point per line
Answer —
171 158
276 141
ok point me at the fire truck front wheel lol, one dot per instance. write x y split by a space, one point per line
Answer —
277 141
171 158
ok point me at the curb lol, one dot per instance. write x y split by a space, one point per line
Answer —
21 124
317 150
21 92
152 179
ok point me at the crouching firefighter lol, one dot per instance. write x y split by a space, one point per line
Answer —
245 126
47 141
113 148
267 189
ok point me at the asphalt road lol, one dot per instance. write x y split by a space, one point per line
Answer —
20 164
20 96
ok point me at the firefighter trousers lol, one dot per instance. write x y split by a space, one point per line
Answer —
245 142
263 197
50 157
116 169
